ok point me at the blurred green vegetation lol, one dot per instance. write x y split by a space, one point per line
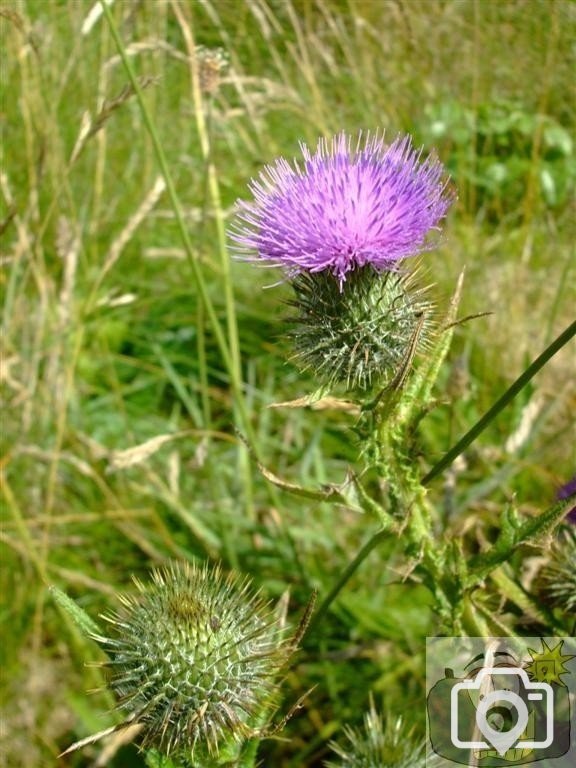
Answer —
119 435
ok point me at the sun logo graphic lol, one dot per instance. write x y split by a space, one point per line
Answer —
549 665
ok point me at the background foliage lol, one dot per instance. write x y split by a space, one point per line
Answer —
119 430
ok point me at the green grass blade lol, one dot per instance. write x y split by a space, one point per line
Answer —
221 339
501 403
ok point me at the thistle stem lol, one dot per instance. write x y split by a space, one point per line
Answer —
420 528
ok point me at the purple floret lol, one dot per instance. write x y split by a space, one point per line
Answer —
345 207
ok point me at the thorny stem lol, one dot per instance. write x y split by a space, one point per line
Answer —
418 525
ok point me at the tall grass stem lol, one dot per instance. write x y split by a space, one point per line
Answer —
513 390
221 340
229 347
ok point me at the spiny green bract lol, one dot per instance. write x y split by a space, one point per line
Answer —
558 577
194 656
377 746
360 334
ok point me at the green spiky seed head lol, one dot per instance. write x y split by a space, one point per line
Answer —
558 577
362 333
194 656
378 745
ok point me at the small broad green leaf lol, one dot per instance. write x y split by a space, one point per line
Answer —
497 173
548 185
558 138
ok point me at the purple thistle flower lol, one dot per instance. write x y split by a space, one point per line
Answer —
344 209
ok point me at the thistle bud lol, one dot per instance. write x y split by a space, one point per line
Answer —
378 745
194 656
558 577
361 335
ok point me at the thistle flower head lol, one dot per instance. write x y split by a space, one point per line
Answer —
193 658
349 205
363 336
378 745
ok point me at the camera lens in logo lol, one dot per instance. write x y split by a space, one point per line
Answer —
501 740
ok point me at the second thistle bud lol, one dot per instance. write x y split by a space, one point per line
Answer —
557 582
379 745
360 334
193 657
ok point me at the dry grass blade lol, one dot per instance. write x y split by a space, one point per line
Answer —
128 232
93 16
135 728
90 126
130 457
327 403
5 222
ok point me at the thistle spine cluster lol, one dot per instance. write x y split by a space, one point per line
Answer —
361 336
558 578
378 744
193 659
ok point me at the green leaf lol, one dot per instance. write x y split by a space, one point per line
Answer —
512 535
504 545
548 185
413 401
558 138
77 614
537 527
